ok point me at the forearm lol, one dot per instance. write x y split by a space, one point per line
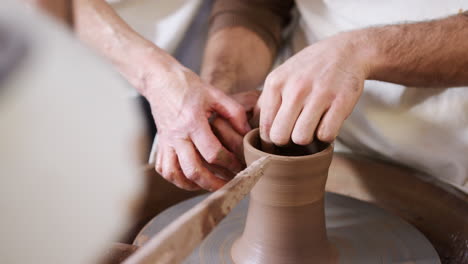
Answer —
427 54
97 24
236 59
59 9
243 41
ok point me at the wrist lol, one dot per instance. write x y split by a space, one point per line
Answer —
373 44
224 80
151 63
233 66
364 49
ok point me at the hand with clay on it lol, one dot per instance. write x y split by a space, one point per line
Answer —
228 136
181 104
312 93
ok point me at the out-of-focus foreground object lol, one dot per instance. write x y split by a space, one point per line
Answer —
13 48
68 162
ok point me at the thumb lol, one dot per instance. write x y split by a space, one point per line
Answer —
230 110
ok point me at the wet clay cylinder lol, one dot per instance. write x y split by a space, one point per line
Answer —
286 217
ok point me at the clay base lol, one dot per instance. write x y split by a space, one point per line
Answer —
299 235
361 233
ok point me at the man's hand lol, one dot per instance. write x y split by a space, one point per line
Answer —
181 104
228 136
180 101
312 93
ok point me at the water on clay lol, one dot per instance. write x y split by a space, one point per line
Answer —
361 232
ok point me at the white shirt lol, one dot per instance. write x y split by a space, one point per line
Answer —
163 22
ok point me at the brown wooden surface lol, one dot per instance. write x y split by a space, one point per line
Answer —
438 211
158 195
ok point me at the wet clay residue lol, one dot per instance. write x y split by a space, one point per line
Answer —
293 150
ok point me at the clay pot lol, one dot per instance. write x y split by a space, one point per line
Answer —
286 219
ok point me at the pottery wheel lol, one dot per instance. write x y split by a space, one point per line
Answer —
361 232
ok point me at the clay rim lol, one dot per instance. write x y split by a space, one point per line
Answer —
255 132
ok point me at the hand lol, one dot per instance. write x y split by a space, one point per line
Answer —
181 105
313 92
228 136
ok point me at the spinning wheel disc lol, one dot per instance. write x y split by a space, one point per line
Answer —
361 232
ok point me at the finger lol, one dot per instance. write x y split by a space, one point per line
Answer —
220 172
212 150
192 166
228 137
158 162
333 120
304 129
230 110
285 119
269 104
173 173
